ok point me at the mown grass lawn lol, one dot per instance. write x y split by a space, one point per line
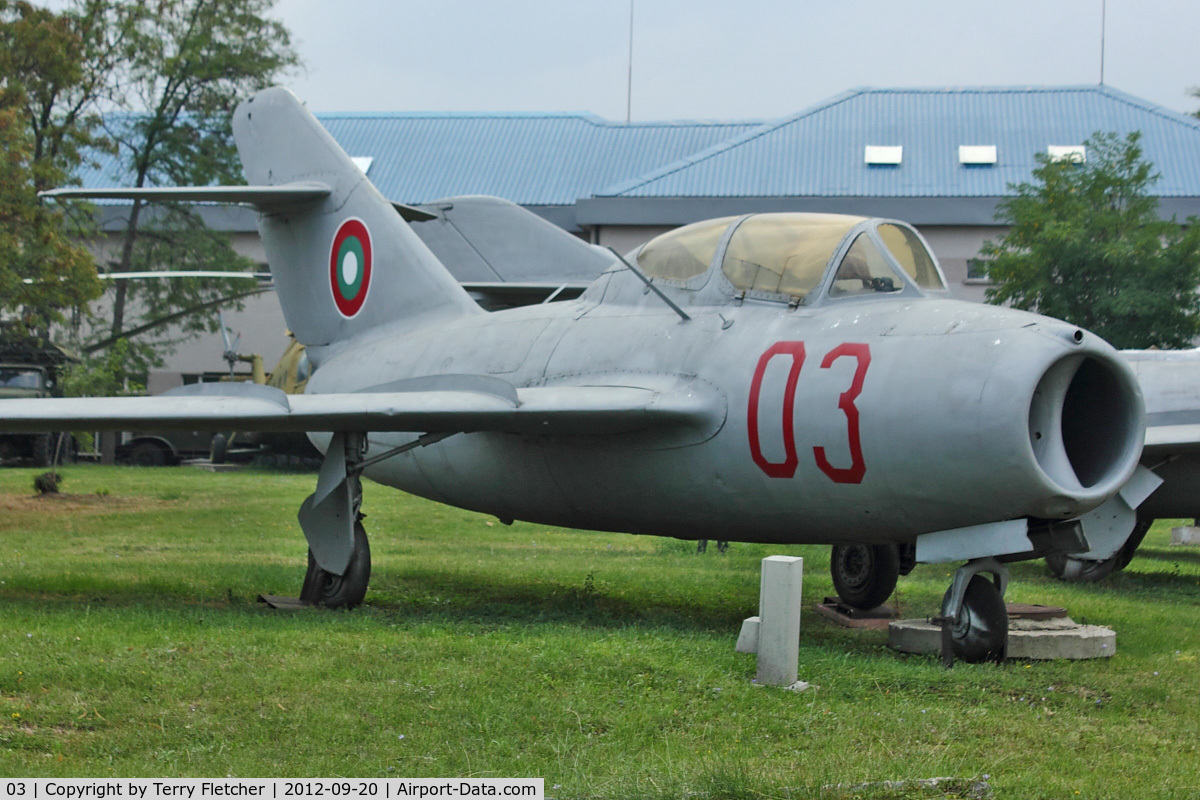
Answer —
131 645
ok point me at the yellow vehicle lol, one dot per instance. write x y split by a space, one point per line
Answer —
289 375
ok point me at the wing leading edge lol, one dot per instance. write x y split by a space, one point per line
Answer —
461 404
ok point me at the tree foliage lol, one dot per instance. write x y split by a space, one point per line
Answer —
1086 245
47 96
156 82
186 66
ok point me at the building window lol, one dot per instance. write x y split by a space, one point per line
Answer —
1075 153
977 271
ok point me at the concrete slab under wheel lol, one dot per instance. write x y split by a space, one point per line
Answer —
835 610
1185 535
1039 637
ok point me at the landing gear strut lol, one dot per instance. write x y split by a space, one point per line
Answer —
339 556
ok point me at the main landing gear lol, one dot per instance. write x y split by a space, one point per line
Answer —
339 556
865 575
347 590
1078 570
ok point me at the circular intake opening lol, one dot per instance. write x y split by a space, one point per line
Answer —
1083 422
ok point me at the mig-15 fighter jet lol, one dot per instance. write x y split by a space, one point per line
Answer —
778 378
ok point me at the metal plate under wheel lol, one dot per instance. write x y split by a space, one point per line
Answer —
282 603
838 612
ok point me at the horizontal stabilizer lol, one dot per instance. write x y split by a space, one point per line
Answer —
260 196
558 411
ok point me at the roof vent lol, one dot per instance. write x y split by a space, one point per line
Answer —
1075 153
975 154
363 162
884 155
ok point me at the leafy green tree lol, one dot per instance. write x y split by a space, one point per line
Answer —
186 65
48 91
1086 245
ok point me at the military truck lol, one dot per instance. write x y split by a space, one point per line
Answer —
29 368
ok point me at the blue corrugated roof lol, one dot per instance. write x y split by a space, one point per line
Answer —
554 159
819 152
532 159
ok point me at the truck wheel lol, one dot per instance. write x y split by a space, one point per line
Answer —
147 454
220 446
43 452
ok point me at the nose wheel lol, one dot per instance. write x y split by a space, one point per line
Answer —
974 618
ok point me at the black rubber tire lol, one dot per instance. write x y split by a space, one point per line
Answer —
147 454
220 446
1078 570
1127 551
341 591
981 633
42 449
864 575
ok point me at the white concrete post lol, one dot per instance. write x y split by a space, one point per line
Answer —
779 620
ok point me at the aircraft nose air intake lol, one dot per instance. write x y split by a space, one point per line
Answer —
1086 425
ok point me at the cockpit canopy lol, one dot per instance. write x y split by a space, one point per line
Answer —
789 255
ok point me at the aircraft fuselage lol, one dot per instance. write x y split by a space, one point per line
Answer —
871 419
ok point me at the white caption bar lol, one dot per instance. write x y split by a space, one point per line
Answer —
268 788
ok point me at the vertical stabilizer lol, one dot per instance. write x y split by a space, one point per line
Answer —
346 262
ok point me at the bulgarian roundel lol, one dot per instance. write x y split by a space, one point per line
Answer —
350 266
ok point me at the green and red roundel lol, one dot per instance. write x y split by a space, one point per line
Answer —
350 266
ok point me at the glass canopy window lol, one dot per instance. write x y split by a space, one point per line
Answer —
864 270
907 249
683 253
784 253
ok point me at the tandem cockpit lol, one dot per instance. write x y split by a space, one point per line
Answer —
795 258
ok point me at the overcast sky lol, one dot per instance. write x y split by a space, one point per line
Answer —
723 59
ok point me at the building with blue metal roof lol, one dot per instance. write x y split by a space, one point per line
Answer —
940 158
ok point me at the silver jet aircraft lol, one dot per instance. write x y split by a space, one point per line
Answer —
775 378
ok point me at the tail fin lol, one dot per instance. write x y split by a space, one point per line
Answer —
345 262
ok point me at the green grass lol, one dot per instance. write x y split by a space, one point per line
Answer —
131 645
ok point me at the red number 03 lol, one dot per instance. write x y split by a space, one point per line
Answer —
787 468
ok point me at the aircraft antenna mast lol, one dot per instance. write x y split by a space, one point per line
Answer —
629 78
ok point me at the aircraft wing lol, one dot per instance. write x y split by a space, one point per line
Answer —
1173 433
1170 381
452 403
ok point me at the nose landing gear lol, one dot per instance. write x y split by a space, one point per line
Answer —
974 619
